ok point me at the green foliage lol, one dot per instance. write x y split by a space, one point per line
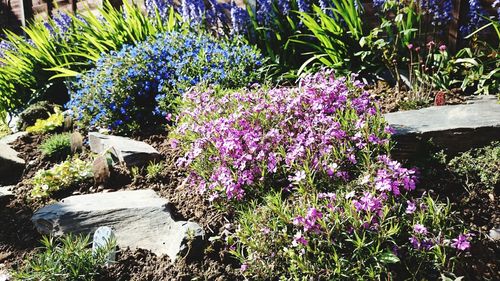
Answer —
346 246
65 258
479 168
335 34
154 170
479 66
478 70
57 146
60 176
36 67
4 126
109 30
272 37
53 122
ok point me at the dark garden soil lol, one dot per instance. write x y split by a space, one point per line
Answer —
391 100
19 238
479 211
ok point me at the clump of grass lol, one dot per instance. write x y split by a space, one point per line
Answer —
153 170
57 146
65 258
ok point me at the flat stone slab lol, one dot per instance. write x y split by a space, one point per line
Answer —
139 219
455 128
11 166
12 138
126 150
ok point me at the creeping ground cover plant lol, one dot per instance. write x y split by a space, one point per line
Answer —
316 194
138 86
235 143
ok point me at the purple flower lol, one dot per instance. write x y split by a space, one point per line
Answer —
300 127
420 229
244 267
411 208
415 243
298 239
265 230
239 19
299 177
368 203
461 243
474 17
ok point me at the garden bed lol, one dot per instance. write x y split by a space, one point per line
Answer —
479 210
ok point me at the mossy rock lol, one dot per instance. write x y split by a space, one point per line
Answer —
39 110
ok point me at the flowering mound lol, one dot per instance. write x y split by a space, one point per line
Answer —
136 87
327 201
325 128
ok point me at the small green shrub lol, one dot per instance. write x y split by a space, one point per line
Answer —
53 122
65 258
479 168
154 170
138 87
63 175
39 110
57 146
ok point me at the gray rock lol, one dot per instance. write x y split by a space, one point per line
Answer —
12 122
125 150
455 128
12 138
11 166
6 193
494 234
102 237
140 219
4 276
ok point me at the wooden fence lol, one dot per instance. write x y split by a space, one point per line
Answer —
16 13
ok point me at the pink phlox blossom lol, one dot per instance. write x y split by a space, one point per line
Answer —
461 242
368 203
420 229
298 239
411 208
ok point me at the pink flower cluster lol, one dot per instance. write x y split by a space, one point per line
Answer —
310 221
394 177
241 139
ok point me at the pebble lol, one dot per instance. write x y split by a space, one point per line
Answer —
494 234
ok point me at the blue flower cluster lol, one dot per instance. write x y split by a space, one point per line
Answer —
474 18
440 10
5 46
138 86
239 19
59 25
193 11
160 6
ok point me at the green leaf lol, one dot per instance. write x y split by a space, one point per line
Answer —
389 258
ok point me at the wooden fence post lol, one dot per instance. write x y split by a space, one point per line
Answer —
459 13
